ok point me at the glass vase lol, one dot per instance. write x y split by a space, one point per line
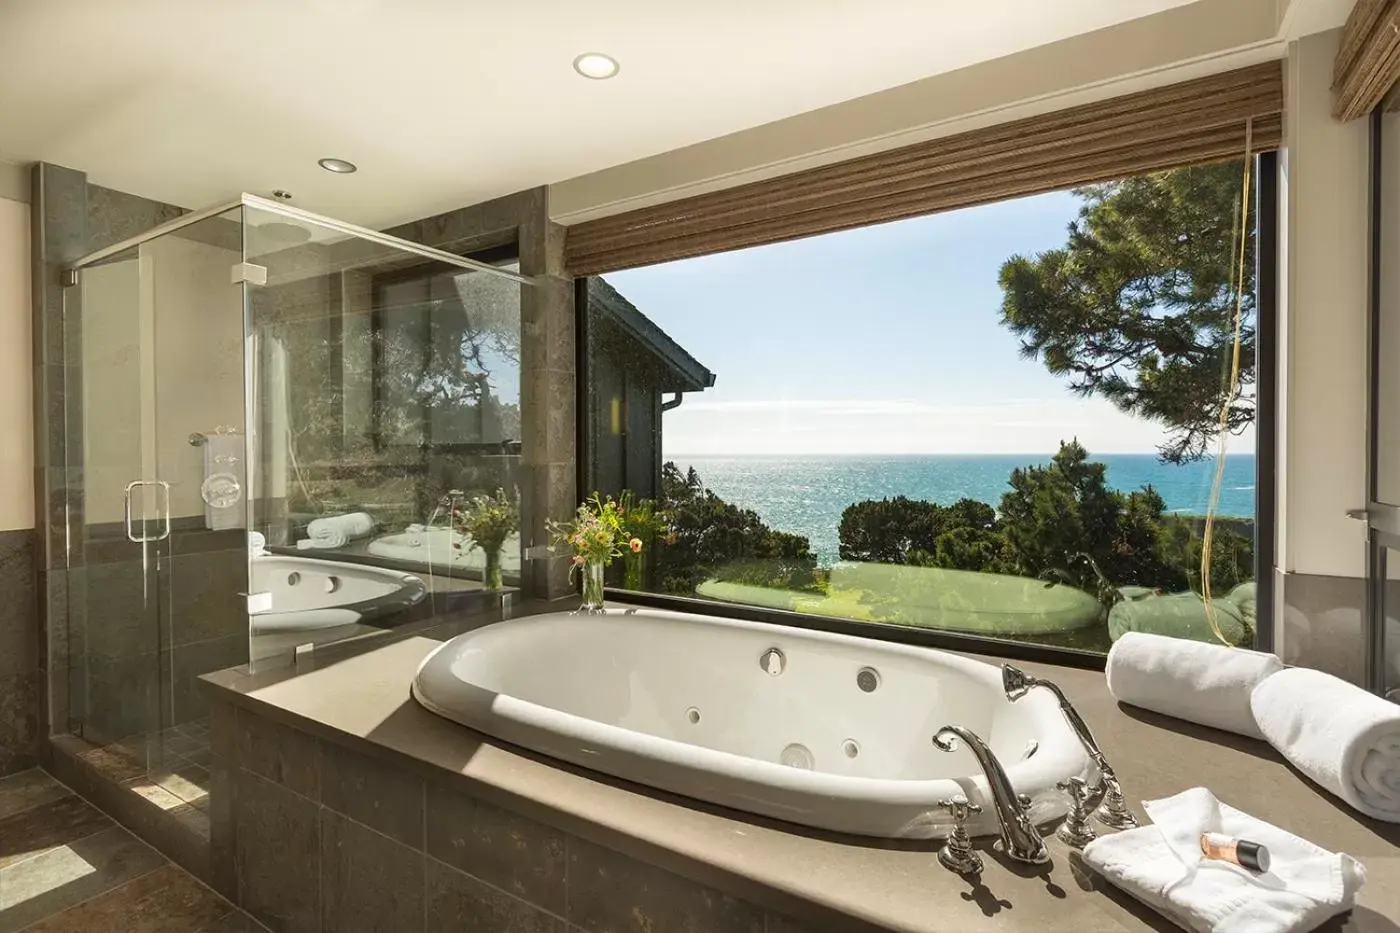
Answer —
491 575
592 586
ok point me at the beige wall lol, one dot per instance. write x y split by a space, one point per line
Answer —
16 388
1324 316
163 358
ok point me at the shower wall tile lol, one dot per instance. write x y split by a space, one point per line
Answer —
113 216
20 670
204 600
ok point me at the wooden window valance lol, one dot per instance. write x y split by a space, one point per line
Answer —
1196 121
1368 61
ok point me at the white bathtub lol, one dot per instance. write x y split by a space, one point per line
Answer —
684 703
309 595
443 549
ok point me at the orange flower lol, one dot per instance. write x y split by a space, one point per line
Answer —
635 544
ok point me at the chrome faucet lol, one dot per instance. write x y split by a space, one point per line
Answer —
448 503
1020 841
1105 797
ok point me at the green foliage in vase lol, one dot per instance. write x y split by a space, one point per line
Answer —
489 520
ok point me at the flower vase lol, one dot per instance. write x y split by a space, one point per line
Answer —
491 575
592 586
634 572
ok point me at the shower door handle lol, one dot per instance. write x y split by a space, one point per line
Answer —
162 511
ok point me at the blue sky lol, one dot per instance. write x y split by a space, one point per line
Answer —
884 339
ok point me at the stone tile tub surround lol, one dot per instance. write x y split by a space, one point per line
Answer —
302 758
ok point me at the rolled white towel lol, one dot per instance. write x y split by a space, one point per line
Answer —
335 531
1191 680
1345 739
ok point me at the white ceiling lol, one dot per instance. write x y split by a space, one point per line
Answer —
448 102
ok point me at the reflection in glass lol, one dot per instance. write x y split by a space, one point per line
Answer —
386 400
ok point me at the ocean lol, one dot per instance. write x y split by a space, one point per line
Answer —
807 494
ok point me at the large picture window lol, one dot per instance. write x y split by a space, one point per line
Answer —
1002 421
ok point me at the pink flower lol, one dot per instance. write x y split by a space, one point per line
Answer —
636 545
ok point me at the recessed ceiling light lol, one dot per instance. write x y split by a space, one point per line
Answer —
596 65
339 166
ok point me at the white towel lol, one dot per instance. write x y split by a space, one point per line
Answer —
223 473
1192 680
1339 735
1162 866
335 531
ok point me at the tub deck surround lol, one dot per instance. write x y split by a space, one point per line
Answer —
599 853
834 732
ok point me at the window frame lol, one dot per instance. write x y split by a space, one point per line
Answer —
1266 167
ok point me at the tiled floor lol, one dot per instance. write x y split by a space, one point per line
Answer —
64 866
168 768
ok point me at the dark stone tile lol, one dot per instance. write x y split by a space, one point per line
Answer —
204 588
68 875
777 923
235 921
19 721
123 695
31 788
458 903
122 617
385 797
517 855
37 829
223 730
279 753
223 840
278 860
113 216
611 893
369 882
188 700
19 630
166 900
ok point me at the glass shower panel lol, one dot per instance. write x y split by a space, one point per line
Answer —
385 398
155 573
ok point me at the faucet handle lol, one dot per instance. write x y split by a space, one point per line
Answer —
957 855
1075 831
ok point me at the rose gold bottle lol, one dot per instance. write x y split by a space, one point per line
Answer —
1241 852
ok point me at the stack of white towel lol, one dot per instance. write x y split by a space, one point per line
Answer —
1345 739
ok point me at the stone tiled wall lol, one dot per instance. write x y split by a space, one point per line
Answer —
310 836
19 660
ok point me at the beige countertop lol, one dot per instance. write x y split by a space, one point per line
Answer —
845 883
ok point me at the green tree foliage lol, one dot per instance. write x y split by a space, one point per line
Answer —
1138 306
889 531
712 539
1059 522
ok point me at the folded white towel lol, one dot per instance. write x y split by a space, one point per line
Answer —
1162 866
1203 683
1339 735
335 531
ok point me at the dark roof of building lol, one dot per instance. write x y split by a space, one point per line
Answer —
691 375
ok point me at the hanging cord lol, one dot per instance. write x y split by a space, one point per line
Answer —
1232 388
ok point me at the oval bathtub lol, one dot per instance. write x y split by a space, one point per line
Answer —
687 703
308 594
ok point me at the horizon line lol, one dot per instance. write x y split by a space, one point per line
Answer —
963 453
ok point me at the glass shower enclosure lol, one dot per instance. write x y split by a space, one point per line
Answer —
277 424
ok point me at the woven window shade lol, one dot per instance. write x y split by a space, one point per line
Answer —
1368 61
1197 121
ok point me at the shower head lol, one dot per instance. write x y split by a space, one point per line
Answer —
277 234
